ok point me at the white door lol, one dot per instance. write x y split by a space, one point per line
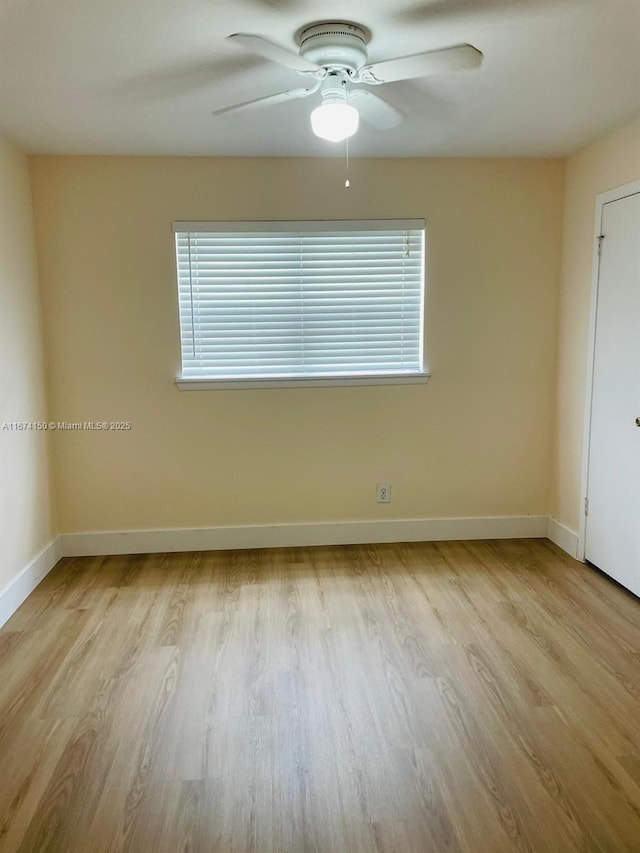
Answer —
613 520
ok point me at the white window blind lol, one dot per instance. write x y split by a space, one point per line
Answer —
300 300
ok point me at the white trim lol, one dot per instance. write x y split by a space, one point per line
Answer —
603 198
103 543
617 193
307 225
193 383
563 536
291 535
24 584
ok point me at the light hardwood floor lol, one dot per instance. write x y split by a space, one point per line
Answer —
476 696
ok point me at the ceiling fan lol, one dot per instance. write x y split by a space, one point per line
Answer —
333 56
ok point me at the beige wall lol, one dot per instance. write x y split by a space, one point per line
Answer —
612 161
26 523
475 441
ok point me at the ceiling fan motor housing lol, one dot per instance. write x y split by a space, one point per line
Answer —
334 87
335 45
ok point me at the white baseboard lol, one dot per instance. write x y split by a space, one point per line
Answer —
276 536
290 535
562 536
23 585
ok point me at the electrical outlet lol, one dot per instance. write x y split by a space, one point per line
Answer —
383 493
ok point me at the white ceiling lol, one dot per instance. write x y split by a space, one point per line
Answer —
142 76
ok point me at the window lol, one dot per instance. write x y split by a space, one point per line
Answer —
300 303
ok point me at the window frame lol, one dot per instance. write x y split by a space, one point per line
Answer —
196 383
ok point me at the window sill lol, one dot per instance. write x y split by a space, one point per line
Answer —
195 384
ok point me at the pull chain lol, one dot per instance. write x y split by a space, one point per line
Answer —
347 183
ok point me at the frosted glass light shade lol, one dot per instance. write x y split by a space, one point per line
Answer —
335 122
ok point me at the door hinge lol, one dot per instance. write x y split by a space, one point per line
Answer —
586 506
600 239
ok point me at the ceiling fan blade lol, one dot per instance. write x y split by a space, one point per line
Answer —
276 5
275 53
184 78
422 64
374 110
267 100
445 11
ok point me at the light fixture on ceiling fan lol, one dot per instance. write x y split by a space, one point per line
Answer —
333 54
335 119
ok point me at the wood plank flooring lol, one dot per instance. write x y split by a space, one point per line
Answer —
458 696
